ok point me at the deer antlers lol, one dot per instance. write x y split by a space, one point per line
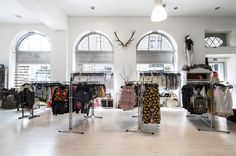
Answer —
128 42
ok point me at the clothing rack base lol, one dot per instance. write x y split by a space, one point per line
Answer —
71 126
70 131
210 125
140 131
135 116
31 116
93 113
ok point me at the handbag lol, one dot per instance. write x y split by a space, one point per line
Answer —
199 105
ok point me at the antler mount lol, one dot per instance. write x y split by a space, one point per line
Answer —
128 42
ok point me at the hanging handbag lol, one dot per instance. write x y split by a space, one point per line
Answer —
200 105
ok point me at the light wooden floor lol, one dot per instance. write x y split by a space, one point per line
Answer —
175 136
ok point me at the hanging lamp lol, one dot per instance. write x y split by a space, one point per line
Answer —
159 12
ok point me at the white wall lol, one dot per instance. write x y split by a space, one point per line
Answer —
177 27
59 55
58 39
231 76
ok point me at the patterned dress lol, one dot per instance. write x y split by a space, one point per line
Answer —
151 105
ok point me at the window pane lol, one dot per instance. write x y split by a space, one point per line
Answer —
95 42
213 42
154 67
96 68
35 42
31 72
155 42
155 48
166 44
106 46
83 44
143 44
219 68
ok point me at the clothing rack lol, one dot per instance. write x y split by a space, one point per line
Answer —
223 85
70 125
90 74
165 74
140 96
48 84
152 74
211 125
31 116
136 83
100 74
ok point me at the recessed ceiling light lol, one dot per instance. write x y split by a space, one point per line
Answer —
175 8
18 16
92 7
217 8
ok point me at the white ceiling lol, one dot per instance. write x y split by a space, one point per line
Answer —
144 7
10 8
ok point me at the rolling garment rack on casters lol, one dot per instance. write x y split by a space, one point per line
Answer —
140 96
212 106
71 126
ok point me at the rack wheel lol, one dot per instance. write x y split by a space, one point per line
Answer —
153 133
127 130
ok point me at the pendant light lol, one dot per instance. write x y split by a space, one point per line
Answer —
159 12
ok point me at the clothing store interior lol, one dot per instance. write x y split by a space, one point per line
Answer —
117 77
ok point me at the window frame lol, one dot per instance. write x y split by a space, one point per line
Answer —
25 36
92 51
42 57
155 33
212 42
155 56
221 35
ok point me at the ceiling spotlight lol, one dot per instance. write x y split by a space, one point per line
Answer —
159 12
175 8
18 16
92 7
217 8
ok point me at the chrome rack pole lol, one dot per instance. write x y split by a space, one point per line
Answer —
212 120
70 129
22 112
138 130
32 111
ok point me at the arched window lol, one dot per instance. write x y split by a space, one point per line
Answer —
94 47
32 58
94 56
155 51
